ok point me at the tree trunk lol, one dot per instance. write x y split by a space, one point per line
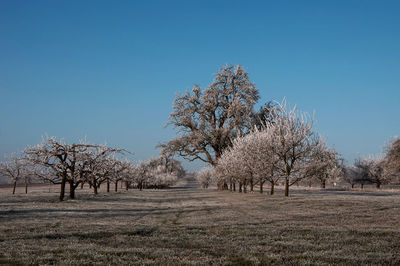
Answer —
261 185
323 183
244 186
15 186
26 187
352 185
82 185
240 187
95 189
62 190
362 186
140 186
126 185
230 186
251 185
272 188
116 185
71 190
287 187
234 186
108 185
378 185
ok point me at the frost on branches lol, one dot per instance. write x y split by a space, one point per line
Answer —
69 163
16 169
208 120
205 177
286 147
56 162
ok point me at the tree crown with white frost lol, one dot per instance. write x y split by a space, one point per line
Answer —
207 120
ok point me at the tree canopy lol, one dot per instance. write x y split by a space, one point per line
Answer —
207 120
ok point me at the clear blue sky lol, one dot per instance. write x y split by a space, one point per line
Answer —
109 70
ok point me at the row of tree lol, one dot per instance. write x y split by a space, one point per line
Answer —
218 125
54 161
378 170
255 166
284 147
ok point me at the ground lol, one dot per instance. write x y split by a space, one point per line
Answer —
188 225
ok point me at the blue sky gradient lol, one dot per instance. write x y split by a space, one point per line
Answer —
109 70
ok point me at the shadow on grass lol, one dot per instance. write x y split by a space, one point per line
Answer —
99 213
92 235
344 192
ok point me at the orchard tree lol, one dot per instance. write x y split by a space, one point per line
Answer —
231 169
351 175
257 154
293 141
372 171
62 158
14 169
98 166
324 164
120 171
207 120
164 171
141 175
67 163
204 176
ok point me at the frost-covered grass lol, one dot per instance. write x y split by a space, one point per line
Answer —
187 225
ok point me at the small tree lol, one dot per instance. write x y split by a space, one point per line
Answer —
141 175
293 142
351 175
372 171
15 169
204 177
323 164
256 152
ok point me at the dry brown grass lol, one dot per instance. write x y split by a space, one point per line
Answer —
187 225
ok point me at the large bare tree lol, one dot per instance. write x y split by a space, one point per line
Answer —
208 120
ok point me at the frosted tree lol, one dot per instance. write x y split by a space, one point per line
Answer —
323 164
141 175
120 171
68 163
14 169
98 166
205 176
163 171
351 175
256 151
293 141
231 169
207 120
372 171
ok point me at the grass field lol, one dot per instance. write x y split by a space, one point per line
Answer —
187 225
